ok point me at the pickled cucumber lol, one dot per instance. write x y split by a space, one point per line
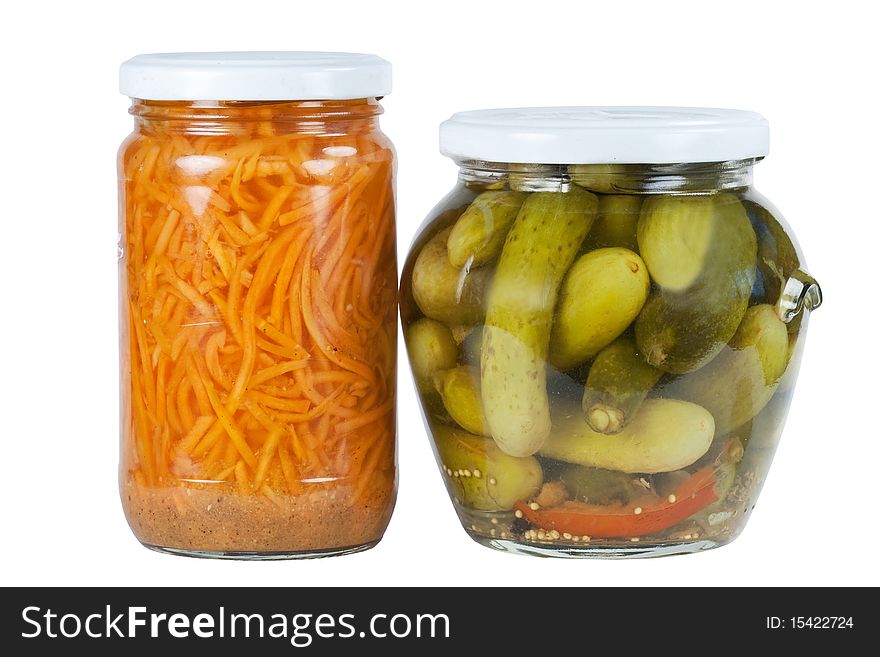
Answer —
616 222
481 476
603 178
741 380
675 236
600 296
448 294
762 329
431 348
777 255
665 435
595 485
701 251
618 382
540 247
459 389
478 235
681 335
686 239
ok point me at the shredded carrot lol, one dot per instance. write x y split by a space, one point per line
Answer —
244 486
257 271
198 430
293 405
268 453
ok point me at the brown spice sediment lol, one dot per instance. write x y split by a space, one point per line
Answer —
206 520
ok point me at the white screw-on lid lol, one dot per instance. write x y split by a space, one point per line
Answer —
255 76
596 135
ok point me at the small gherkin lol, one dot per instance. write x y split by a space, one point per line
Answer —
701 252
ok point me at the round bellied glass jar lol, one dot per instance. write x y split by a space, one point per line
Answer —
258 299
604 322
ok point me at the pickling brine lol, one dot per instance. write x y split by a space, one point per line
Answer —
604 353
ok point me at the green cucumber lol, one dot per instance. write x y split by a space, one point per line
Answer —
431 348
616 222
539 249
601 295
617 384
665 435
459 389
701 251
737 385
481 476
478 235
448 294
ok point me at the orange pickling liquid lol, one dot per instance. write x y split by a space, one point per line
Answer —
259 325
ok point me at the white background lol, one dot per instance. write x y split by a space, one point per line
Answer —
811 69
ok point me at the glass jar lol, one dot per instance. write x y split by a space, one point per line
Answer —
605 322
258 304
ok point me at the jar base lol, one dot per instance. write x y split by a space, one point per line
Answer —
262 556
597 551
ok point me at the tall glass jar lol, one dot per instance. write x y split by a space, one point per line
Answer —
258 304
605 322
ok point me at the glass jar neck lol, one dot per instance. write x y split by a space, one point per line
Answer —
684 178
272 117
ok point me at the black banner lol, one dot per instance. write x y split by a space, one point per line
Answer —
334 621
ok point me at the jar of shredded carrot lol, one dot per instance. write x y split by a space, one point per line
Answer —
258 304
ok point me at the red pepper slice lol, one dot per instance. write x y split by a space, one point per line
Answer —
621 520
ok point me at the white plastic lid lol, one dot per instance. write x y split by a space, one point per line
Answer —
255 76
596 135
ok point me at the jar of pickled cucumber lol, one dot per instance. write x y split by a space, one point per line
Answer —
605 321
258 299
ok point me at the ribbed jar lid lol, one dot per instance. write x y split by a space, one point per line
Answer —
596 135
246 76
